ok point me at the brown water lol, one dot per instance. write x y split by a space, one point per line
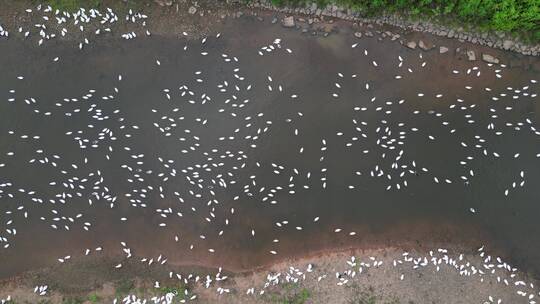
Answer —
421 214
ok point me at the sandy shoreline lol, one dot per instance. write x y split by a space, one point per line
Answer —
96 275
386 275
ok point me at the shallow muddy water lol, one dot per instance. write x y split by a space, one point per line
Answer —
202 151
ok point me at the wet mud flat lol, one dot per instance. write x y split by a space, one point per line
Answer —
421 214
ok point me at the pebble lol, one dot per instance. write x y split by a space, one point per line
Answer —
411 45
288 21
471 55
490 59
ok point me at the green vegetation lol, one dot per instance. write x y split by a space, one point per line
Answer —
291 294
124 287
299 297
72 300
177 290
93 298
518 17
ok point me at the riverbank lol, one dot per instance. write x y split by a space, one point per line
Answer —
206 18
436 26
198 18
388 275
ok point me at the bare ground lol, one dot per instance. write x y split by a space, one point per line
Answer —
329 279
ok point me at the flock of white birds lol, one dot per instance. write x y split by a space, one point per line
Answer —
221 169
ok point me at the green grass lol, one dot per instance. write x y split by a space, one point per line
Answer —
177 290
93 298
72 300
298 298
520 18
124 287
291 294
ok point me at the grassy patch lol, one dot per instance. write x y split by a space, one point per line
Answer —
298 297
291 294
178 290
93 298
72 300
124 287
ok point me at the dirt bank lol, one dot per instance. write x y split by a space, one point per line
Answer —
388 275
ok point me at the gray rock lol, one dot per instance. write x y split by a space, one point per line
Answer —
471 55
443 49
507 44
426 46
411 45
192 10
489 59
358 35
288 21
274 20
